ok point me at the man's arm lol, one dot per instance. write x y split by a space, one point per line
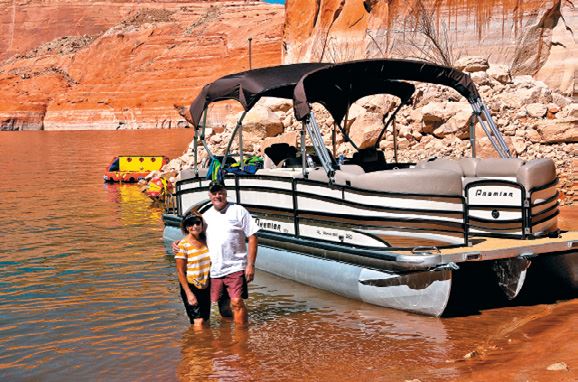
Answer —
251 257
175 246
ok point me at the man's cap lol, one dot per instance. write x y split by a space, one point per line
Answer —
216 186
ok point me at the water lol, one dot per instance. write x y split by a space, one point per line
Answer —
87 292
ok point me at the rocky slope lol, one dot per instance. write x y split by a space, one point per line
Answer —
535 37
115 65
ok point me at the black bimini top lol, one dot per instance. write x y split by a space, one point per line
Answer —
249 86
337 86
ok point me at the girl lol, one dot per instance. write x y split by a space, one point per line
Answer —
193 264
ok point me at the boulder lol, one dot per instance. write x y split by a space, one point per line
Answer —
290 138
536 110
443 111
472 64
519 145
378 103
261 123
275 104
560 99
558 130
457 125
480 78
365 129
355 111
570 111
519 98
500 73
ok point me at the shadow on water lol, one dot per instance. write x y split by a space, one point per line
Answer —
475 288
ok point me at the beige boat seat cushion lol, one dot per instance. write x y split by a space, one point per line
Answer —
530 174
282 172
411 181
466 167
342 177
536 173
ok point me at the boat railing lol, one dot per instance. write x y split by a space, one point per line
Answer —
170 203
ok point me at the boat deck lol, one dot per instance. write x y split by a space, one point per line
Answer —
490 248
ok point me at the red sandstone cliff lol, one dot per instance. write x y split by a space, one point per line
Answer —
109 65
536 37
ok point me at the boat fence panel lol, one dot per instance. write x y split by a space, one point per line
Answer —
495 207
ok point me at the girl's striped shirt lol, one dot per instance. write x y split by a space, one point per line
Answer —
198 263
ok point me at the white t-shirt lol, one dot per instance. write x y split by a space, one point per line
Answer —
227 231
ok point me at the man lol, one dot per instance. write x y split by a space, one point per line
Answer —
232 260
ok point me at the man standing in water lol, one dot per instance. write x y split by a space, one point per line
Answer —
232 260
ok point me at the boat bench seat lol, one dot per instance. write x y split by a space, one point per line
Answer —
530 174
342 177
282 172
405 181
411 181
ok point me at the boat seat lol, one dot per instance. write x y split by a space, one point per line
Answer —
291 162
369 159
296 173
531 174
352 169
342 177
536 172
466 167
411 181
278 152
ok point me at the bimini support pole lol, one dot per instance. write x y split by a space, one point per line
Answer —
319 146
346 137
394 132
472 127
495 130
195 157
241 158
303 152
238 127
203 135
386 124
490 129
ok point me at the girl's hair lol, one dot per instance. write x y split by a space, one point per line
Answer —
189 220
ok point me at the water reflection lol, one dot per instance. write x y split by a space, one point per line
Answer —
295 330
133 204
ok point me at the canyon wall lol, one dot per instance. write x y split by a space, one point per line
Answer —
121 64
535 37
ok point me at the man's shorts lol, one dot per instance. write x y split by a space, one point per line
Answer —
233 285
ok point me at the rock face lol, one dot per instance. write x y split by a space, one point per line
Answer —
532 37
119 65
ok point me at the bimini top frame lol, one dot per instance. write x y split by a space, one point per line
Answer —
335 86
247 88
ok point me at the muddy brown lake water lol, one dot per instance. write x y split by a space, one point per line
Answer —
87 292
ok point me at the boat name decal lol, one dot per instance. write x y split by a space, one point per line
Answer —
494 193
270 226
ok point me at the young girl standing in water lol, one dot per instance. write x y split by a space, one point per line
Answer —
193 264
